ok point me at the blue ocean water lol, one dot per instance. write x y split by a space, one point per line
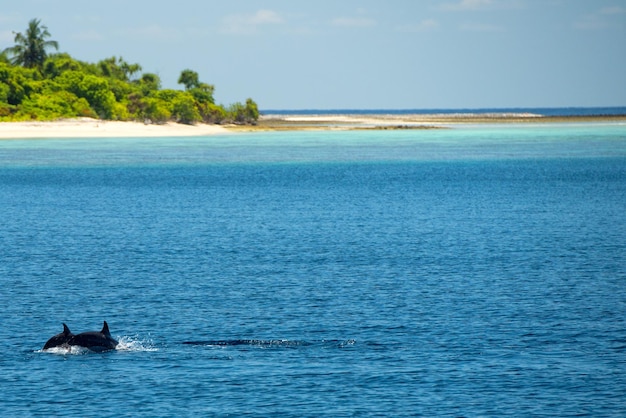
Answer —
543 111
478 271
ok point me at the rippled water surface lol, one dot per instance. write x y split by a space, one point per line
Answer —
464 272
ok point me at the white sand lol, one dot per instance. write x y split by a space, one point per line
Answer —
93 128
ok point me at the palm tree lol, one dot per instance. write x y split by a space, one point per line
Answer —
30 49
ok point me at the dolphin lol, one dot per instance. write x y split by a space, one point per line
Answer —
93 340
60 340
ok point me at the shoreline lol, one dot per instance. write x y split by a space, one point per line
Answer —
95 128
278 122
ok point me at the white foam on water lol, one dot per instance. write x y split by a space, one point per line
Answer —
127 343
65 350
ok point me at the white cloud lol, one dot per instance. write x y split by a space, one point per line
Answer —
248 24
86 18
481 27
604 18
88 35
151 32
263 17
9 18
477 5
463 5
590 22
614 10
353 22
361 19
425 25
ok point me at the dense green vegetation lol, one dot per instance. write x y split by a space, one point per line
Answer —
38 86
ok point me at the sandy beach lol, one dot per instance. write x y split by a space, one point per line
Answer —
93 128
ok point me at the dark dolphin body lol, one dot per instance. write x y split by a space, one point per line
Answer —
94 340
61 339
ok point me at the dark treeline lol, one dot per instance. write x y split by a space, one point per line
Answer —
35 85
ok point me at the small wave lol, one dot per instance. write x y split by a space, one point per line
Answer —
255 343
345 343
271 343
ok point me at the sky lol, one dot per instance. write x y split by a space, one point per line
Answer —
355 54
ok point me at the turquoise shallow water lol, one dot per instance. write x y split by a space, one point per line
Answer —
472 271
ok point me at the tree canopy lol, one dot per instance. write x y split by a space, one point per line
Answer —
30 48
38 86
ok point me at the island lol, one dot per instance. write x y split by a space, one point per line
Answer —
37 86
57 96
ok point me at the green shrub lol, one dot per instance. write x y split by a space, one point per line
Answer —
155 110
94 89
61 86
240 113
59 105
212 113
184 109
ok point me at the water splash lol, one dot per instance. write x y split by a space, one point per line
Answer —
66 350
135 343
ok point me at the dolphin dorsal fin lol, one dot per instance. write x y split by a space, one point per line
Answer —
105 329
66 330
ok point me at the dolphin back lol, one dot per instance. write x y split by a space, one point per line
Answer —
105 329
94 340
60 339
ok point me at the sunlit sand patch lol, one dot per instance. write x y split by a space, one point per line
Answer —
94 128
